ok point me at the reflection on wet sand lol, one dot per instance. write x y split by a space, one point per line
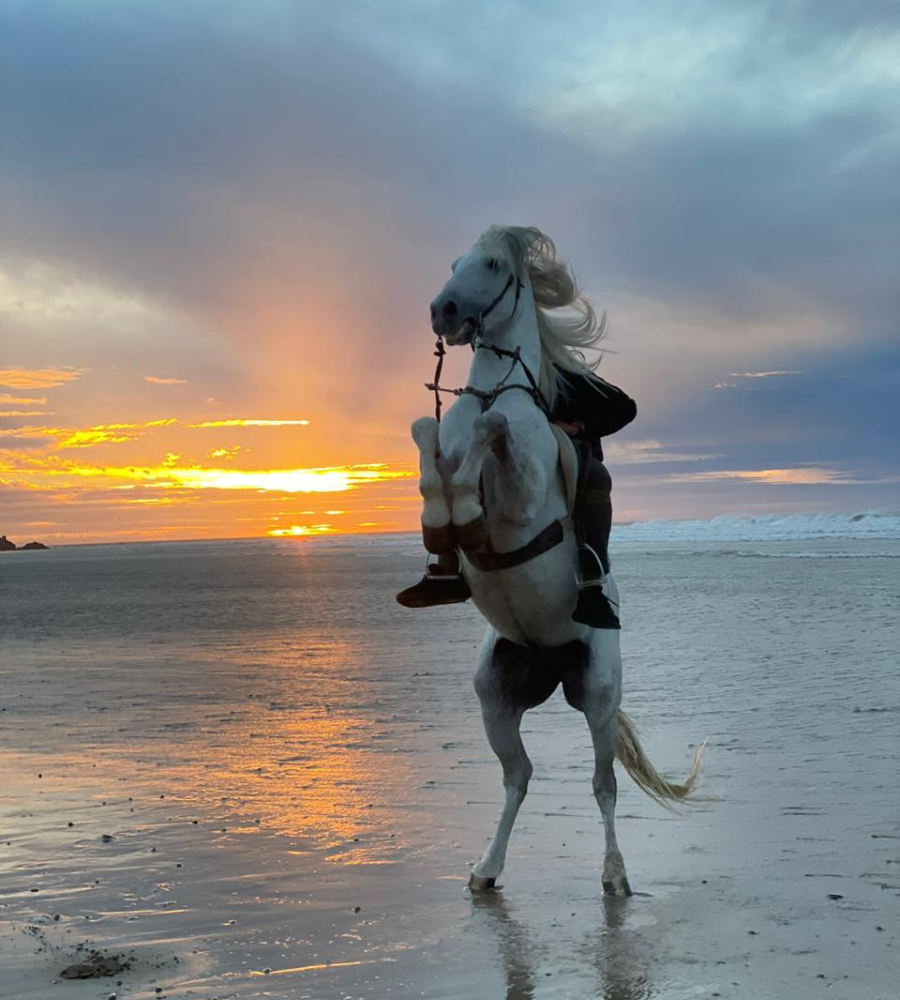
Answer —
514 943
621 955
172 701
614 955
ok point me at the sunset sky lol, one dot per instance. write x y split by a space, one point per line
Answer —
222 224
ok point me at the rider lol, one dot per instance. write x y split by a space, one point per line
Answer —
587 408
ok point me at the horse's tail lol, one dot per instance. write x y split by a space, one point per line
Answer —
631 756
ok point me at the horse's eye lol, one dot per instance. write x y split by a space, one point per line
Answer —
492 264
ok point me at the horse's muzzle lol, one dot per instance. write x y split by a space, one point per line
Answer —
462 334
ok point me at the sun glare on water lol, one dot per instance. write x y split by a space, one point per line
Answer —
300 530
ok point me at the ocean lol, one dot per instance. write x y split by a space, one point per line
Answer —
293 775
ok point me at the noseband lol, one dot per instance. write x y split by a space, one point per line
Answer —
488 398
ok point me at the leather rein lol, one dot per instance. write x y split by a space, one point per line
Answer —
489 397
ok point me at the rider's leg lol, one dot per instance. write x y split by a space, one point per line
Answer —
597 511
595 517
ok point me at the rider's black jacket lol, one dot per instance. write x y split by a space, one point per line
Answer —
601 407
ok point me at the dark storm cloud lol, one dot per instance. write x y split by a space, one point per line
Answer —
842 406
177 147
147 137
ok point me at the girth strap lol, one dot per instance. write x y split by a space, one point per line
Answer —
545 540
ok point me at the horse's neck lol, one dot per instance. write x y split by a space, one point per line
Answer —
488 368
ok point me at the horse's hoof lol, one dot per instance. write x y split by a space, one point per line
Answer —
619 887
473 535
479 884
439 540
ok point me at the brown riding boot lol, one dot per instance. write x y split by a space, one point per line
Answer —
441 584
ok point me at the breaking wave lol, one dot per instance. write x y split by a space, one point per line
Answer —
763 528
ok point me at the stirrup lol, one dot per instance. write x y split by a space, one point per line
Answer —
589 571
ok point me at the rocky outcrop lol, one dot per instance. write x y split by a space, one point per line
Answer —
7 546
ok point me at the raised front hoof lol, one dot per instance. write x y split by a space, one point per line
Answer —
478 883
439 540
473 535
617 887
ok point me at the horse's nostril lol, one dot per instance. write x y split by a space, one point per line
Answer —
449 308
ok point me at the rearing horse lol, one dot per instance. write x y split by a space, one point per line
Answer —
493 489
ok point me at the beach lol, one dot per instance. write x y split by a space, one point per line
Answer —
241 770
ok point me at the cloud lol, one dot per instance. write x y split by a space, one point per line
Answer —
760 374
6 397
651 452
252 422
224 452
171 476
41 378
87 437
155 380
266 200
808 476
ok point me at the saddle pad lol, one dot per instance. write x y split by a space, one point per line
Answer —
568 459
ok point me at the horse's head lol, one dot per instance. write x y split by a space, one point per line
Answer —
482 293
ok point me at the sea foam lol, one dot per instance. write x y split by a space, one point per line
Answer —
763 528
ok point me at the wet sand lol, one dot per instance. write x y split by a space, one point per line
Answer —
302 826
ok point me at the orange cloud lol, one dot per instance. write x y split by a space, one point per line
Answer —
38 378
327 480
251 422
107 433
320 480
22 413
155 380
84 438
9 400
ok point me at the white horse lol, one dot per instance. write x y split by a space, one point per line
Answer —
492 488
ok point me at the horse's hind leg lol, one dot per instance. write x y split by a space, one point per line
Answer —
502 721
605 733
593 686
502 728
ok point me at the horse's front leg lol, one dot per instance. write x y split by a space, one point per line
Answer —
519 482
437 527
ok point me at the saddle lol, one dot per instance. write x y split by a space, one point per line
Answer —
573 459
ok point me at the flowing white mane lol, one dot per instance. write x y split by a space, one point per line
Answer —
564 336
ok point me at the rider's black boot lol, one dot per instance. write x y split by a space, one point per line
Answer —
594 607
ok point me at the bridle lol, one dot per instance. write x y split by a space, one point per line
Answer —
485 558
489 397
